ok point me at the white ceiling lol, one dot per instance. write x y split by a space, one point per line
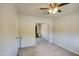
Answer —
32 9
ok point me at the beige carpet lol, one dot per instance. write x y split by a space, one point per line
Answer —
44 48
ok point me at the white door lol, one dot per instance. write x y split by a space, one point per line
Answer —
45 31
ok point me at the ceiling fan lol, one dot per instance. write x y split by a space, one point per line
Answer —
54 7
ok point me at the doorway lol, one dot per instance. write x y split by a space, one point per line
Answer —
38 30
41 32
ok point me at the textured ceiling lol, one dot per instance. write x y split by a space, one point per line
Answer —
32 9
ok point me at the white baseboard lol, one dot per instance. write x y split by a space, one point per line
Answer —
66 48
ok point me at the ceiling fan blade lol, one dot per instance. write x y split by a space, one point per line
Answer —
62 4
43 8
50 5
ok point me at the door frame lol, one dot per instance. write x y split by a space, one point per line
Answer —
48 28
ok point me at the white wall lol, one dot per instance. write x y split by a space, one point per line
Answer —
8 30
27 28
66 32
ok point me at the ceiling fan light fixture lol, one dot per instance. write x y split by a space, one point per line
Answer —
55 10
50 11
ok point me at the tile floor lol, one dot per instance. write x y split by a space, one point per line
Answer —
44 48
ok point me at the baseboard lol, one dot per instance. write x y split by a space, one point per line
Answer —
28 45
66 48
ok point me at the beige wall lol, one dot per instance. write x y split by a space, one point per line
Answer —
8 30
68 24
66 32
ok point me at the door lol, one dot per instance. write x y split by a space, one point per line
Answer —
36 33
45 31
